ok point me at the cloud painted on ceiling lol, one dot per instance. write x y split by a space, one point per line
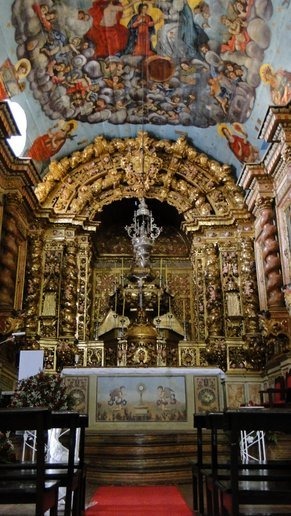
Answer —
177 64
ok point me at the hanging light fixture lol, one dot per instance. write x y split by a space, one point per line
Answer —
143 232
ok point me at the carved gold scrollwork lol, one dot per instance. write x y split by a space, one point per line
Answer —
107 171
249 286
213 292
188 357
33 281
216 352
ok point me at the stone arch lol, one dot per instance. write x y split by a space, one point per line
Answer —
202 190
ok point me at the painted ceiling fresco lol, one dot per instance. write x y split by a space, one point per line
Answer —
82 68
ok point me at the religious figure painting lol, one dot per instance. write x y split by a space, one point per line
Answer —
114 66
178 62
141 398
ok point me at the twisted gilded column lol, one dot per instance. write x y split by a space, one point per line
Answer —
8 261
270 252
33 281
84 291
69 291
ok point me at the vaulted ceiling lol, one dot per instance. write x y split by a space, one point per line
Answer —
204 70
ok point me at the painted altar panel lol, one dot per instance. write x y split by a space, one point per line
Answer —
141 398
134 399
235 394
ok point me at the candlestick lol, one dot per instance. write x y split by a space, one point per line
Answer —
115 304
159 300
184 320
98 309
123 304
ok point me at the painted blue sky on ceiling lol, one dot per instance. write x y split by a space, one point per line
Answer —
207 69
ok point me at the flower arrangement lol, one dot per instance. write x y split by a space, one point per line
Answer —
43 390
7 452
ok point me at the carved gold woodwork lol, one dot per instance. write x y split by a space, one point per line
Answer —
33 281
214 320
50 355
82 184
249 285
202 189
91 354
268 196
215 301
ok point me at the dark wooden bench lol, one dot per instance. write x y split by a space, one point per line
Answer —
35 489
209 478
69 474
255 484
213 422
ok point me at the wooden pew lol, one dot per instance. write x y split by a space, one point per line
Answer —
69 474
211 421
207 478
35 489
268 483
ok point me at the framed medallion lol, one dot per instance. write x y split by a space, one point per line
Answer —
206 394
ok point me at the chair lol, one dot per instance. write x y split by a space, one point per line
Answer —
18 486
276 396
288 387
254 484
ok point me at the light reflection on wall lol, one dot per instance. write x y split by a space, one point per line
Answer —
17 143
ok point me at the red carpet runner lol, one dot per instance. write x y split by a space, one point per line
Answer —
138 501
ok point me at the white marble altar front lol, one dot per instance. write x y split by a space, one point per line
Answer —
147 399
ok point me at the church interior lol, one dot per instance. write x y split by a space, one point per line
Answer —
145 222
